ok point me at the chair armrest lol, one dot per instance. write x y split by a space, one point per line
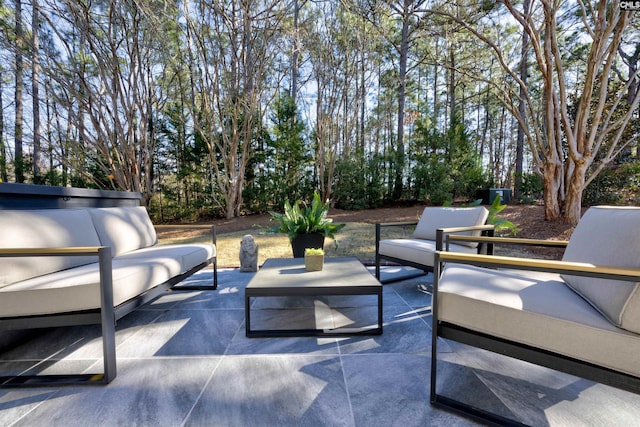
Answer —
396 224
380 225
510 240
446 233
214 233
549 266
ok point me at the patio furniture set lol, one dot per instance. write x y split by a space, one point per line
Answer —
581 315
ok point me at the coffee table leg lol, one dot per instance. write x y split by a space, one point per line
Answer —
247 315
380 311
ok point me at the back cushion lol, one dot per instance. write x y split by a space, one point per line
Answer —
45 228
124 229
608 236
440 217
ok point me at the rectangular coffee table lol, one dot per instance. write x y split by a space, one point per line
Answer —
280 277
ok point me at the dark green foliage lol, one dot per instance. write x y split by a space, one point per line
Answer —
502 225
445 165
530 188
358 183
619 184
280 167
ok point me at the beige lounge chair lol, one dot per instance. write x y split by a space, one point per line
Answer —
580 315
428 237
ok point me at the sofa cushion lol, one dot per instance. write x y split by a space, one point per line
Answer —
442 217
188 255
44 228
124 229
608 236
416 250
542 312
78 288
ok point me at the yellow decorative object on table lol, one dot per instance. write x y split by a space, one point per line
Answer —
313 259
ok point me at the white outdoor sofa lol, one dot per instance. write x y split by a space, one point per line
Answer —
428 237
580 315
63 267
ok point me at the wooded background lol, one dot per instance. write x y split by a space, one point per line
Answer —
229 107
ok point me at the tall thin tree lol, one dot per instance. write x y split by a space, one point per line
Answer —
35 90
19 84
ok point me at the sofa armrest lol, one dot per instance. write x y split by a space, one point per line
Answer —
70 251
549 266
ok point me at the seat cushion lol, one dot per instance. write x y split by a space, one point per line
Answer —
43 228
124 229
608 236
78 288
188 255
416 250
442 217
542 312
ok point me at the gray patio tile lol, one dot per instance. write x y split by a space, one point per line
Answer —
395 272
408 291
184 333
78 342
389 297
241 345
404 331
51 367
280 390
537 395
392 390
225 297
318 317
147 392
16 404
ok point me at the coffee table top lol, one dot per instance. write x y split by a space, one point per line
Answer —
289 275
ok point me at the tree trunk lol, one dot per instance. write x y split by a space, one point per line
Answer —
452 87
575 186
19 158
402 82
522 106
35 88
551 190
296 52
3 149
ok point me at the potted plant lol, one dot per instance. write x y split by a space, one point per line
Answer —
306 226
313 259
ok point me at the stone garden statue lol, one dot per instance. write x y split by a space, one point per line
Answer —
248 254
